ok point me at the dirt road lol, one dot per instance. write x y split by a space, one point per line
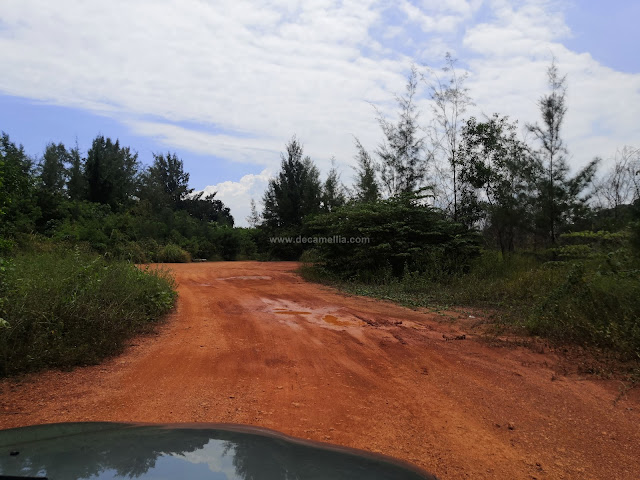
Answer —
252 343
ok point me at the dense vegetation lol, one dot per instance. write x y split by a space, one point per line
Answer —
110 203
63 307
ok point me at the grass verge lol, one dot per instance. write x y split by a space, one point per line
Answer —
593 302
64 308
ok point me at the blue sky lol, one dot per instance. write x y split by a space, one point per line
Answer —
225 84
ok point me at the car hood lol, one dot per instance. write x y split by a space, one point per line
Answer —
69 451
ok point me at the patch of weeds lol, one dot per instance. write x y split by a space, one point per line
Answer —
68 307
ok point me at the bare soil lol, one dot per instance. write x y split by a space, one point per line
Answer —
252 343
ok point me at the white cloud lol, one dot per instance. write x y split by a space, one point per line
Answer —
242 149
253 73
238 195
509 76
216 456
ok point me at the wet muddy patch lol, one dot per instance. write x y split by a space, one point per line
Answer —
245 277
332 317
334 320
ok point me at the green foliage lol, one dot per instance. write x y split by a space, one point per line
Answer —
403 162
76 182
172 253
597 306
64 308
165 183
110 172
52 168
401 235
333 193
367 189
634 229
559 199
588 244
18 209
207 208
295 192
495 180
96 202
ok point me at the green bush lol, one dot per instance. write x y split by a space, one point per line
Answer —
402 235
595 306
172 253
310 256
66 308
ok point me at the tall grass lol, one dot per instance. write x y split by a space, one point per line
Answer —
591 301
64 307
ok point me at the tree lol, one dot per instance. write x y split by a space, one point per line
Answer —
450 100
208 208
333 192
165 183
621 185
18 210
76 182
254 219
403 163
559 198
295 192
110 172
366 185
495 179
52 168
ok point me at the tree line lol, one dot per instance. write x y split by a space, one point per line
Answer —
108 200
478 173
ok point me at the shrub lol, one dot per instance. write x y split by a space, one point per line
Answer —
172 253
66 308
595 306
403 236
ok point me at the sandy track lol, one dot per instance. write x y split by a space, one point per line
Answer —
252 343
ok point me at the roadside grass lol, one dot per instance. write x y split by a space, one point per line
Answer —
591 302
65 307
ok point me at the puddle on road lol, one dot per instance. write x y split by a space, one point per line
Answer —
329 316
246 277
333 320
282 311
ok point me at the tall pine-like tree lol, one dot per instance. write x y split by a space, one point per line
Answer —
76 181
403 163
559 199
52 168
333 192
110 172
254 219
366 187
296 190
165 183
450 100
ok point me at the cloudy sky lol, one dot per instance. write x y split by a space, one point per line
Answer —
226 83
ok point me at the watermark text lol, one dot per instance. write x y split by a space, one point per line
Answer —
320 240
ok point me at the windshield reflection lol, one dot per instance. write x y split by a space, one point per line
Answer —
104 451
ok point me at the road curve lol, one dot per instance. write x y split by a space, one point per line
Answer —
252 343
